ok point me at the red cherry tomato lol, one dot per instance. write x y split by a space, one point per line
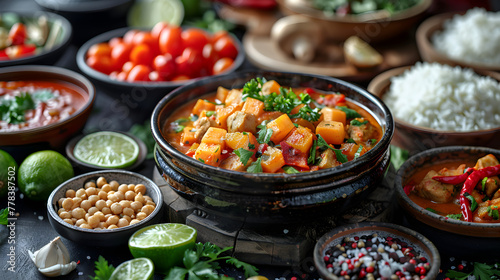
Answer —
3 55
164 65
120 53
17 34
122 76
141 54
157 29
209 57
222 65
100 63
226 47
18 51
128 38
139 73
154 76
180 78
115 41
100 49
170 41
190 63
146 38
127 66
194 38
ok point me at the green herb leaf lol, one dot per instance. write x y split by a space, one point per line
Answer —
43 95
338 153
179 128
264 135
455 216
358 123
12 110
373 141
143 132
312 153
483 183
457 275
251 146
473 203
431 210
3 216
493 212
103 270
350 140
350 113
252 89
181 120
358 152
202 160
255 167
249 269
290 170
244 155
210 113
398 156
296 125
193 118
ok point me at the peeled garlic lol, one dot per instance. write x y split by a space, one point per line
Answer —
53 259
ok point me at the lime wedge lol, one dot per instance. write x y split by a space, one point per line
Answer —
107 149
135 269
164 244
146 13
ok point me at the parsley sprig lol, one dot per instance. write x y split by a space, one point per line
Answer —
284 101
12 110
203 261
481 271
102 270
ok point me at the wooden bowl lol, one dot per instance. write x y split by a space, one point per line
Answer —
417 138
371 30
454 235
429 53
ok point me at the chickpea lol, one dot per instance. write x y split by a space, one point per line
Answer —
140 188
60 211
65 215
131 187
79 222
81 194
101 181
74 220
76 202
151 203
78 213
70 193
91 191
60 201
134 221
100 204
112 220
113 197
112 227
67 204
148 198
116 208
86 204
136 205
102 195
108 203
147 209
120 196
139 197
125 203
85 226
90 184
93 199
123 188
92 210
87 215
102 225
93 221
114 185
69 221
140 216
107 216
128 218
122 223
106 188
128 211
100 215
129 195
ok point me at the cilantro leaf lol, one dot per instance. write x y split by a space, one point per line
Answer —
252 89
431 210
103 270
358 152
457 275
290 170
358 123
312 153
350 113
338 153
244 155
179 128
249 269
473 202
12 110
483 183
210 113
454 216
3 216
255 167
264 135
350 140
43 95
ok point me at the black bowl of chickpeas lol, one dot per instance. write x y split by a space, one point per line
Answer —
104 208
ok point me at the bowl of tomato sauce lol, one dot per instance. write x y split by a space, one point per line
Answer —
451 195
42 104
272 146
32 37
157 60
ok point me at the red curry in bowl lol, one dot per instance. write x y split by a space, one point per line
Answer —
267 128
467 191
31 104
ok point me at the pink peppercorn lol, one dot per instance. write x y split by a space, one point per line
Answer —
460 267
370 269
354 245
350 267
329 265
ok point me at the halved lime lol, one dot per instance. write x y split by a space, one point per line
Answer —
146 13
164 244
134 269
107 149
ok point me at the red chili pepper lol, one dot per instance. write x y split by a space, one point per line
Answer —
408 189
470 184
454 180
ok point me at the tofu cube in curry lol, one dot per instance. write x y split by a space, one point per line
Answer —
233 162
242 122
436 191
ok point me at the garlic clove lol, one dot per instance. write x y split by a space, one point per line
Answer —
46 256
58 269
53 259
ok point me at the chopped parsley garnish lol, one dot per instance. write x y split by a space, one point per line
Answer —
181 120
358 123
493 212
200 159
350 113
373 141
244 155
338 153
210 113
215 103
12 110
255 166
290 170
455 216
350 140
312 153
431 210
264 135
296 125
473 203
358 152
179 128
251 146
483 183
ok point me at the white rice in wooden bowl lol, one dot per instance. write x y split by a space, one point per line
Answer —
445 98
473 37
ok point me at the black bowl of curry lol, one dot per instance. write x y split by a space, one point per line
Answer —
272 144
42 104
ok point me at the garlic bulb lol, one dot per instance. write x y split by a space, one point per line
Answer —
53 259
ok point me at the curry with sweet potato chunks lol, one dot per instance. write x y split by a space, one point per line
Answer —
464 191
264 127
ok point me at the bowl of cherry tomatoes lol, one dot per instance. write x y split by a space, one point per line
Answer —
32 38
159 59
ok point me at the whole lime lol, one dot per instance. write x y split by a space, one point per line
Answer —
41 172
7 164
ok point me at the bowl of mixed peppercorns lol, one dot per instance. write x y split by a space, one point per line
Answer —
375 250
